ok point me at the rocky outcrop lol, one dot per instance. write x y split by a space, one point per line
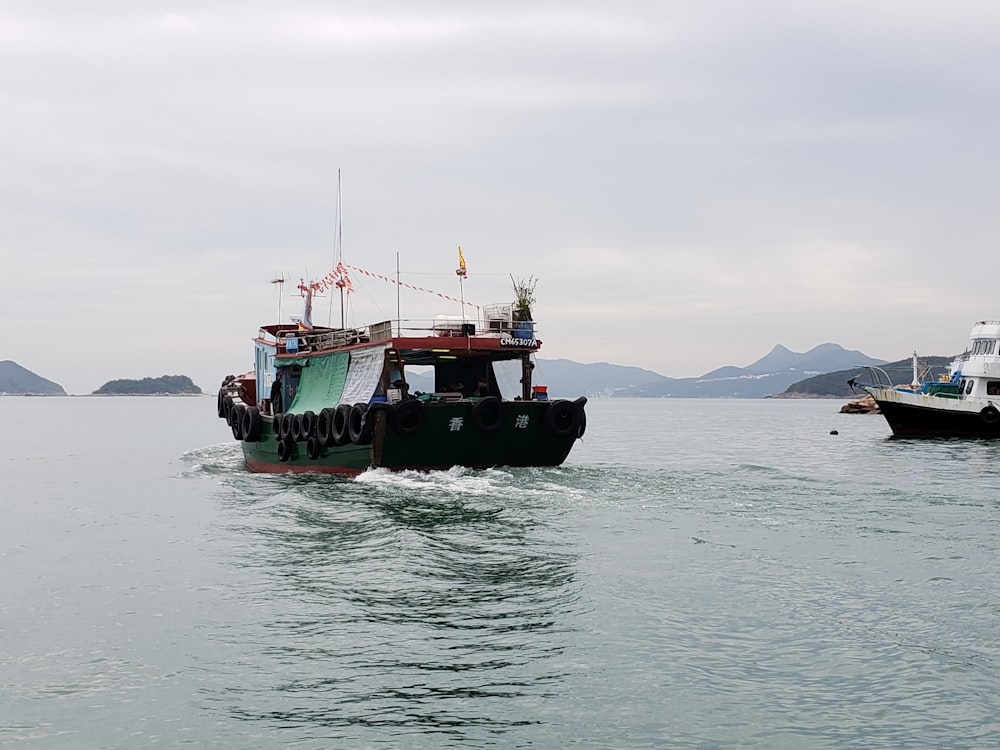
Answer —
864 405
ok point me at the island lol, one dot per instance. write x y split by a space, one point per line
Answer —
19 381
165 385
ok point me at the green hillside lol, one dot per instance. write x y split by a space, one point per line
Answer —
165 384
834 384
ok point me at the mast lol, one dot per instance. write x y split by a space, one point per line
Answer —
461 271
916 377
338 252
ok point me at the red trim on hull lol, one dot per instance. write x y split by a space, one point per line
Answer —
264 467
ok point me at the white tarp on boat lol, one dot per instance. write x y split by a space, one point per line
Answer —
363 375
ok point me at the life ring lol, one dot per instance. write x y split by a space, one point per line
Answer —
341 418
990 415
324 427
284 450
251 425
313 447
236 420
308 424
356 422
563 419
487 415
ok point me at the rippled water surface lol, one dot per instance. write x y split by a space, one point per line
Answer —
699 574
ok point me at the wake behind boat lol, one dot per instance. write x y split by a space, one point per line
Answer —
962 403
337 400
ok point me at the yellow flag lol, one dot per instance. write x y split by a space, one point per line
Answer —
461 270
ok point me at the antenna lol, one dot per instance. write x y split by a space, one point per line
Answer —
279 280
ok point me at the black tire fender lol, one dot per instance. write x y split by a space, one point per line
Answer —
990 415
579 404
285 447
408 417
341 419
308 424
236 420
313 447
251 424
296 431
368 426
563 418
356 423
324 427
286 427
487 415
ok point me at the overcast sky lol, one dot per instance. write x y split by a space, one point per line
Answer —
691 182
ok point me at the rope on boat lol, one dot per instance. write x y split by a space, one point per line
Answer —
403 284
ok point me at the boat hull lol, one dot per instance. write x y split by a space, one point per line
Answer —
514 433
920 415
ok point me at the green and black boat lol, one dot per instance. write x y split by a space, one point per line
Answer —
342 402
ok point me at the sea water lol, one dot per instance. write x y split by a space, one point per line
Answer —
698 574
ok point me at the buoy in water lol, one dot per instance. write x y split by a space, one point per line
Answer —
834 432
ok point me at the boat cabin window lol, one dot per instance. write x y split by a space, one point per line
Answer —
968 387
463 376
993 388
983 346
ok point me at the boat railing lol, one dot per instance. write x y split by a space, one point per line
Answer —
292 340
876 377
456 325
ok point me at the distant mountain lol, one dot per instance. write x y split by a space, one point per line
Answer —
834 384
822 358
568 379
769 375
16 380
173 385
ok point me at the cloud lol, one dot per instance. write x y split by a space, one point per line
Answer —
691 182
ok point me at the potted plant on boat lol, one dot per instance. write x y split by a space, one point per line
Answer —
524 300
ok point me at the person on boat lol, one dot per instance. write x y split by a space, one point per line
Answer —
276 394
404 388
482 388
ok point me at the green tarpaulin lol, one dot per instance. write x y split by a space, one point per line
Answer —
321 383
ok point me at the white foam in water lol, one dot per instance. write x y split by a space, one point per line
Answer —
458 479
